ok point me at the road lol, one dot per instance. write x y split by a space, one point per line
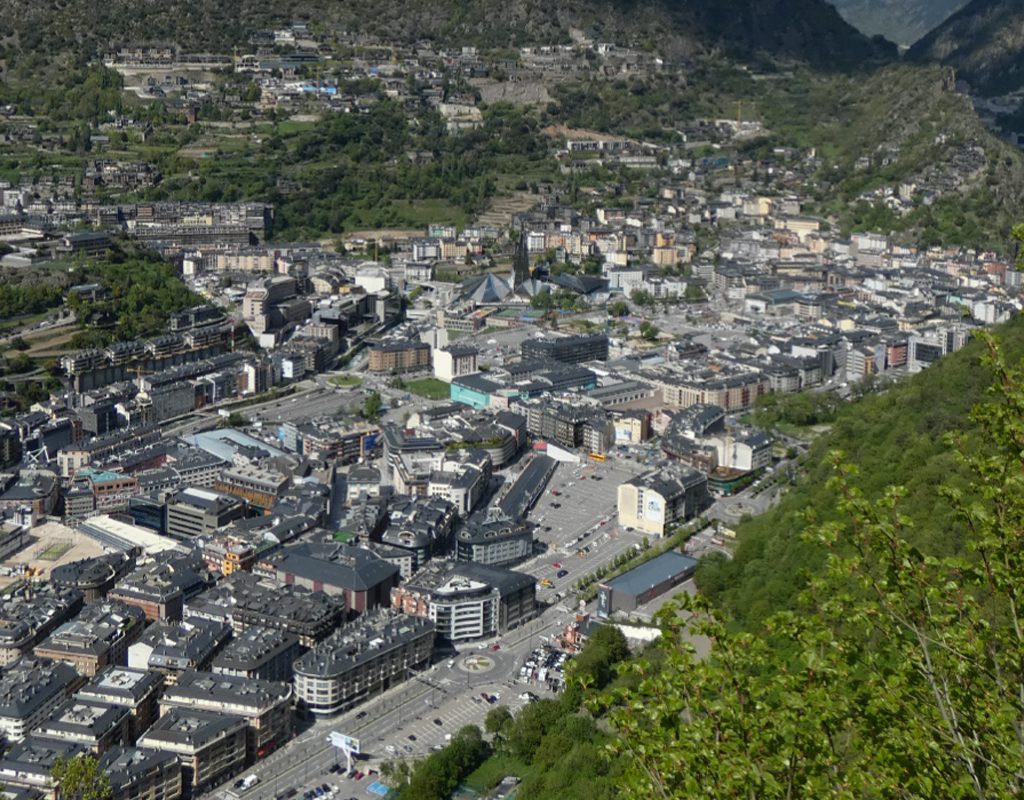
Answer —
400 723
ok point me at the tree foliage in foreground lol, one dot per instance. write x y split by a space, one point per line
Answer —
902 678
80 778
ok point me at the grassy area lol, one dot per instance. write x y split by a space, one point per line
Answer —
55 551
18 322
345 380
489 774
430 388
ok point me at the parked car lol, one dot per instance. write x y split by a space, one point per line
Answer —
562 573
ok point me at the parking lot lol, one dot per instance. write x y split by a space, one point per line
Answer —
577 519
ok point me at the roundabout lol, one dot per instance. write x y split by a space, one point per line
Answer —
476 664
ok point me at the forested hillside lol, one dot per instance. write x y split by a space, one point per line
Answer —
805 30
892 438
984 41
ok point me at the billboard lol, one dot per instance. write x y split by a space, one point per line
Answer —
343 742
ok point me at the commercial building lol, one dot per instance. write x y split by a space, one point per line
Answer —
399 357
138 690
359 575
266 706
643 583
495 543
30 689
567 349
360 660
260 488
454 361
310 616
161 588
258 654
95 726
466 600
200 512
98 638
94 577
420 526
654 501
209 746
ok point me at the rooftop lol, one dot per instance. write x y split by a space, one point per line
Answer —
665 567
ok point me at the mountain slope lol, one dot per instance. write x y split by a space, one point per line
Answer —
804 30
895 438
984 41
900 21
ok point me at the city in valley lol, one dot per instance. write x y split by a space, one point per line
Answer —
322 443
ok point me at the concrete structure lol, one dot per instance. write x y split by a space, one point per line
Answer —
138 690
30 690
98 638
567 349
95 726
210 746
265 705
361 660
200 512
643 583
496 544
467 600
656 500
454 361
258 654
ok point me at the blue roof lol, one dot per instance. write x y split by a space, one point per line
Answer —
657 570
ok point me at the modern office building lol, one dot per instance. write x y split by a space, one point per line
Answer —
200 512
494 543
467 600
567 349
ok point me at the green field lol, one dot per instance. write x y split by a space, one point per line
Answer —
347 381
430 388
55 551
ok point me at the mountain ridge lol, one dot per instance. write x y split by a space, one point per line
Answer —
811 31
984 42
899 21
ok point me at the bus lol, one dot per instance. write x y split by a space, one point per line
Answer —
598 457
